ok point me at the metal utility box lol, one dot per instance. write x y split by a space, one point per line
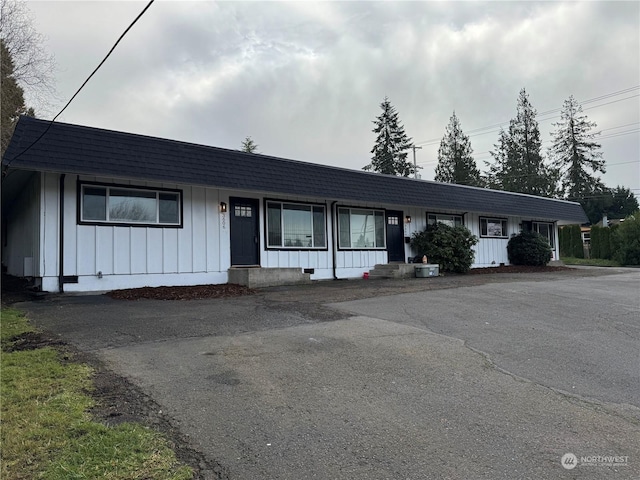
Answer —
427 270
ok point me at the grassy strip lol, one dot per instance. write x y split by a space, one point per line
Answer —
594 262
47 432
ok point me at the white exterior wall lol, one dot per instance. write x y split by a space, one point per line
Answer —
21 254
112 257
489 252
132 256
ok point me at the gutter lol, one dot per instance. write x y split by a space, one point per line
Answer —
61 238
334 236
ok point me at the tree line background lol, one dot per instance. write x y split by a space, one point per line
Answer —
571 171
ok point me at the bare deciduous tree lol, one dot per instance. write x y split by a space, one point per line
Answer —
33 66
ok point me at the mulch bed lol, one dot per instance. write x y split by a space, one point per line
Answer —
181 293
15 290
516 269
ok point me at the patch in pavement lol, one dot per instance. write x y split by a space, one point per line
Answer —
366 398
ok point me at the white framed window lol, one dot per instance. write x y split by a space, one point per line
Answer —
448 219
296 225
493 227
360 228
111 204
545 229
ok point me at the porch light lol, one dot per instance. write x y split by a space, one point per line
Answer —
223 207
407 219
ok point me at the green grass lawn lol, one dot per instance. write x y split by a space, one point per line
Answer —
594 262
47 431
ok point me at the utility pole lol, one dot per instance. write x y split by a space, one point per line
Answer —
415 166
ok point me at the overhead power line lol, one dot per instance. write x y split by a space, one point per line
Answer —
83 84
495 127
487 155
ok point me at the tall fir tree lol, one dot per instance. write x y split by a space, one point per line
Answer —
575 153
392 144
518 163
455 159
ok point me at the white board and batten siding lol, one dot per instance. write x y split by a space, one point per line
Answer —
106 257
489 252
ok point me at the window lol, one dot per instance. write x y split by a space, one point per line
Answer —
451 220
360 228
293 225
493 227
111 204
546 230
243 211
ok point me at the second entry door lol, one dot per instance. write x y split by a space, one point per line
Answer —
395 236
244 231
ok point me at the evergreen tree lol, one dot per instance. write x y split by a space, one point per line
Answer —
616 202
249 146
518 163
575 154
624 203
392 144
596 204
455 159
11 99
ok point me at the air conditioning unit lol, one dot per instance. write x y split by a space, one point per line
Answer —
427 270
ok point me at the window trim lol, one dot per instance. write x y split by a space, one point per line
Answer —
108 223
359 249
294 248
461 215
499 219
552 227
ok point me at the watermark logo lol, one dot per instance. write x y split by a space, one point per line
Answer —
569 461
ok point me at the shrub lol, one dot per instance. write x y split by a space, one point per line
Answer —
602 243
577 247
450 247
571 241
626 241
528 248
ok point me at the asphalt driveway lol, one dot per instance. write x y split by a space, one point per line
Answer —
490 379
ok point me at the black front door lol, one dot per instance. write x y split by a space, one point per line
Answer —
395 236
243 226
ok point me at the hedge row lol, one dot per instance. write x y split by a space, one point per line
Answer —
570 240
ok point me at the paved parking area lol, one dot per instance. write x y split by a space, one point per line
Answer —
488 381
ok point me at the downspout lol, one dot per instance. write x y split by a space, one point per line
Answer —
334 237
61 239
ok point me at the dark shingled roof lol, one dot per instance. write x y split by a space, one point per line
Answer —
77 149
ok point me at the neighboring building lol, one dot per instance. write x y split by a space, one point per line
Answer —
86 209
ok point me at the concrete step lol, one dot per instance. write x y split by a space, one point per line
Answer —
267 277
393 270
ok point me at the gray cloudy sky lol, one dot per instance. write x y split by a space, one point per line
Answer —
305 79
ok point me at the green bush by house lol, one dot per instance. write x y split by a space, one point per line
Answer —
450 247
528 248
